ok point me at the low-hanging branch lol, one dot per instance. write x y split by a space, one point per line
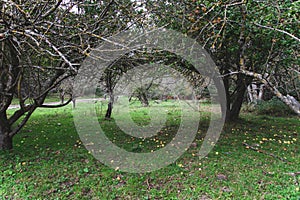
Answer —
56 106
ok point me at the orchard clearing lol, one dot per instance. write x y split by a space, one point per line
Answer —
255 158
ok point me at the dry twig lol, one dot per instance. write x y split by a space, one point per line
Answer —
264 152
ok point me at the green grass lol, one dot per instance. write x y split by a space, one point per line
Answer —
50 98
50 162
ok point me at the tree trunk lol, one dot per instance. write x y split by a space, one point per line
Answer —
6 142
237 104
290 101
108 111
143 99
261 92
10 72
74 102
109 106
255 92
62 96
5 139
234 105
250 91
227 93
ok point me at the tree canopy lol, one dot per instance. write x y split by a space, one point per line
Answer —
43 43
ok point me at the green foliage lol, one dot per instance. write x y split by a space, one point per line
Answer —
261 31
49 161
273 107
248 108
99 92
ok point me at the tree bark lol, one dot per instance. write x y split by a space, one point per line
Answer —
237 104
234 105
10 72
74 102
109 106
6 142
251 94
109 111
143 99
62 96
255 92
290 101
5 138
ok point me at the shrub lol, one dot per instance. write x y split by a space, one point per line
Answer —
273 107
249 107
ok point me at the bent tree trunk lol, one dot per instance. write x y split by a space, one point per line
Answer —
290 101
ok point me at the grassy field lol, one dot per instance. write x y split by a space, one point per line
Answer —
50 162
51 98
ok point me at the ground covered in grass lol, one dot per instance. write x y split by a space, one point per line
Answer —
255 158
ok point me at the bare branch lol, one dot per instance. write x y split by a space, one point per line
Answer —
23 122
279 30
56 106
53 47
264 152
54 8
